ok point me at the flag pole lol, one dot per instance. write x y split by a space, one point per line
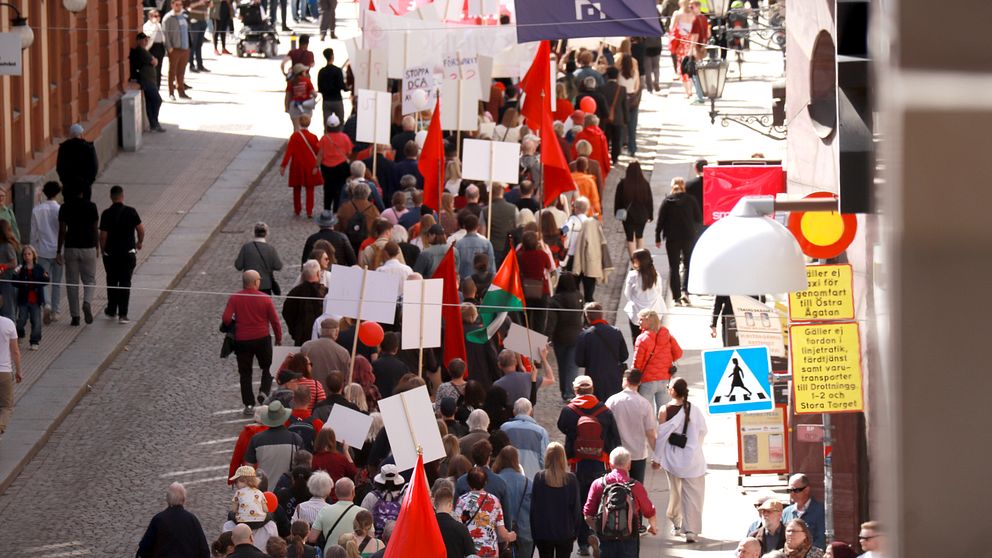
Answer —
492 164
423 290
358 324
375 143
409 424
458 109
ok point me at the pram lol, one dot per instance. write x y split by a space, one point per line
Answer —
257 35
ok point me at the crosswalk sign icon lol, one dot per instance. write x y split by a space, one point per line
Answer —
737 380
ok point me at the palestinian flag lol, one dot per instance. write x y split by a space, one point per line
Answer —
506 293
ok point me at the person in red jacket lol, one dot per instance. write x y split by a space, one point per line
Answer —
252 313
592 133
301 157
655 352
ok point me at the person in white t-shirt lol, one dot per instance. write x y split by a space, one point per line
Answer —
10 369
45 237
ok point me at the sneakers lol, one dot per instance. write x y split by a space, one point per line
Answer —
75 321
87 313
248 411
123 320
690 537
34 346
158 128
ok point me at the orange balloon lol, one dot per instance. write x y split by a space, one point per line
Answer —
587 105
371 334
272 501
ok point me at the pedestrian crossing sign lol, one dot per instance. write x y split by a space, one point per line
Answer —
737 380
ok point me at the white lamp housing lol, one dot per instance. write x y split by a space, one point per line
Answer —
20 26
747 253
74 5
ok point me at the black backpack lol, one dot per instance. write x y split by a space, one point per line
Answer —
357 229
305 429
618 517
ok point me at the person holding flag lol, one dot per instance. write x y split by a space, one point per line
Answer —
506 293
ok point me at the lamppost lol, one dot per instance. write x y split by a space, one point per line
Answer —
712 77
19 25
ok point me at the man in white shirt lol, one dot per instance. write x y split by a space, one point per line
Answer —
393 265
635 421
10 369
45 237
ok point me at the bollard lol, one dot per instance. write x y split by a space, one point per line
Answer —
132 120
23 194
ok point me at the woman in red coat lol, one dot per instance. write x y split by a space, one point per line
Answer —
301 157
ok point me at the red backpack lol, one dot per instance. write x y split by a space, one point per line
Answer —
589 433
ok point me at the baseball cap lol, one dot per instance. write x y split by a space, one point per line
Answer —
582 382
771 504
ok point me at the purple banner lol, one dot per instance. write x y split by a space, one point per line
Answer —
538 20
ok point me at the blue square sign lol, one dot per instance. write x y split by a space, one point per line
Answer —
737 380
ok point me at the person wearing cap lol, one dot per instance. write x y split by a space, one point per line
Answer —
255 315
261 256
143 71
77 164
771 533
300 95
587 468
330 84
301 157
175 531
635 422
388 487
248 504
344 253
334 155
272 450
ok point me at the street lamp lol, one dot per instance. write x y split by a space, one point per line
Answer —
748 253
19 25
712 74
74 6
718 8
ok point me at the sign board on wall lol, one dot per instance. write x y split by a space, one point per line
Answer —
829 297
762 444
10 54
826 368
725 185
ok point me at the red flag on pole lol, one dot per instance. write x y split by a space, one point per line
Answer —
431 162
416 532
451 312
556 176
536 84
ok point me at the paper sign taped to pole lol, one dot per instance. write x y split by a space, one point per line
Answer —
373 116
525 341
758 325
433 296
496 161
350 426
409 421
345 291
418 78
459 109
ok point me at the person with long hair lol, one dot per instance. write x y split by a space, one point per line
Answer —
683 42
799 541
535 273
630 79
655 353
367 544
328 457
222 14
633 204
684 463
355 394
518 502
296 541
677 218
642 289
31 279
448 218
556 506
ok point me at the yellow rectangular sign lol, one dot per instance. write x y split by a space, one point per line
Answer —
829 297
826 368
762 443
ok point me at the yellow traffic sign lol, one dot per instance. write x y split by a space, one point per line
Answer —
826 368
829 297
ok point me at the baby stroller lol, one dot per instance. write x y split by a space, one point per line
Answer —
257 35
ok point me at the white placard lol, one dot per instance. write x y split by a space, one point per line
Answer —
279 354
433 290
459 109
491 161
10 54
462 65
379 302
517 341
350 426
373 116
485 76
418 78
453 9
408 49
422 426
554 85
368 66
483 7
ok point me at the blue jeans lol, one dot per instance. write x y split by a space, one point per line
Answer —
699 88
53 291
34 312
153 103
567 370
197 34
632 130
656 392
623 548
273 4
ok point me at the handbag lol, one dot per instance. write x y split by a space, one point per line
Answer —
227 346
533 288
276 290
680 440
316 167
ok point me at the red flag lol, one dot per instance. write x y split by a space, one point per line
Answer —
431 162
451 312
537 85
556 178
416 532
371 6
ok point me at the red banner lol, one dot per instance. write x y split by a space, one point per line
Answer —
724 186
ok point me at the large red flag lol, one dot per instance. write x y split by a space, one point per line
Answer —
556 178
431 162
537 85
416 532
451 312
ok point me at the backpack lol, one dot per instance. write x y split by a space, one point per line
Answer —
589 433
357 229
617 517
383 511
303 427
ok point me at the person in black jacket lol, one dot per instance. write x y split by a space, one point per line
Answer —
457 541
677 218
344 253
175 531
633 197
388 369
555 509
243 545
616 99
563 328
602 351
330 83
144 71
77 164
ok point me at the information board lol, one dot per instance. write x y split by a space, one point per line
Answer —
762 444
829 297
826 368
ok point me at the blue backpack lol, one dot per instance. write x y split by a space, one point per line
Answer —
383 511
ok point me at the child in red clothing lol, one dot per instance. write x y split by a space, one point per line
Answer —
301 157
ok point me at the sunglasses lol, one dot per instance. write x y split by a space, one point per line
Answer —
864 538
796 490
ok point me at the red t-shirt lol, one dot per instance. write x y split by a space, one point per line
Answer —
301 56
533 264
336 465
300 88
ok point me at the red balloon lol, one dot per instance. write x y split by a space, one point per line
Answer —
371 334
587 105
272 501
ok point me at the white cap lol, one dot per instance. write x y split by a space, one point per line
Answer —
333 121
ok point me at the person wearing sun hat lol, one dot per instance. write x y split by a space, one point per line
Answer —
248 505
301 95
384 500
272 450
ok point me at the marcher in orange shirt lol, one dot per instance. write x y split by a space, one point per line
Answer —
586 184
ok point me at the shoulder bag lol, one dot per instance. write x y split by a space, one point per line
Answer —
316 168
680 440
322 539
272 276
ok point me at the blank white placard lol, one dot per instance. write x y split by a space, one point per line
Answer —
379 302
422 426
433 290
517 341
373 116
480 157
350 426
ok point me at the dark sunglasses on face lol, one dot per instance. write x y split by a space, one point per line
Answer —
797 490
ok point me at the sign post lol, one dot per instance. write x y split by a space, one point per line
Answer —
358 325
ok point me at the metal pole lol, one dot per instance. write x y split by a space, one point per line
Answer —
828 479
